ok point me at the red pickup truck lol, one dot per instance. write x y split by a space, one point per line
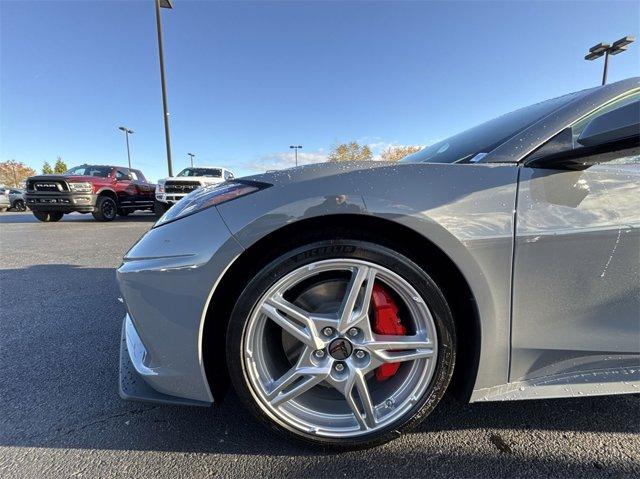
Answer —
103 191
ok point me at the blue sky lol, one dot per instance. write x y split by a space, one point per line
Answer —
246 80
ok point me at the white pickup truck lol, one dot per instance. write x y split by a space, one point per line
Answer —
173 189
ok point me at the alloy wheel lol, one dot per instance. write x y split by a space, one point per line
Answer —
109 208
310 352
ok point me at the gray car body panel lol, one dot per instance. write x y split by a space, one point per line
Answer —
13 197
471 222
166 281
467 210
577 246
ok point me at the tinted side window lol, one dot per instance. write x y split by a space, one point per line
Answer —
121 173
566 140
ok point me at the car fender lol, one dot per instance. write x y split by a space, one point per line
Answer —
465 210
105 189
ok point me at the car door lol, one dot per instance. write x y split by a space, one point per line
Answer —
144 191
576 291
125 188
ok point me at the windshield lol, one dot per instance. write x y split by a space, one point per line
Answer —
484 138
210 172
90 170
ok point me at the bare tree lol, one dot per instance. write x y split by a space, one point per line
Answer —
396 153
351 151
13 173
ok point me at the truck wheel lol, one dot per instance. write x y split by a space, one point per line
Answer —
106 209
48 216
19 205
160 208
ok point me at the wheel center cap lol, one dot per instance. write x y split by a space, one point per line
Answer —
340 348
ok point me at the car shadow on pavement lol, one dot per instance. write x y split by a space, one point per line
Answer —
27 217
59 345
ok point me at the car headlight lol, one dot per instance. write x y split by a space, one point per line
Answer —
81 187
209 196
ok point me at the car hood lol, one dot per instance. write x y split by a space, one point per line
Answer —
204 179
67 177
315 171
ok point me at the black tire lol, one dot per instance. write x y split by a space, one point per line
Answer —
106 209
19 205
123 212
48 216
357 249
160 208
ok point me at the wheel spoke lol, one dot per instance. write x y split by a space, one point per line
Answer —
351 312
401 356
365 399
365 415
395 349
294 382
293 320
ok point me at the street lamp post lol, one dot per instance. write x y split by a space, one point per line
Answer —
605 49
295 149
191 155
164 4
127 132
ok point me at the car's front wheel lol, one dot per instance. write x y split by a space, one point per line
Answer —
48 216
344 343
19 205
160 208
106 209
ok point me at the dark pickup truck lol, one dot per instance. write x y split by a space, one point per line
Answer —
103 191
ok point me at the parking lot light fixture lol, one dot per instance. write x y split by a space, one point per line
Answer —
606 49
191 156
127 132
296 148
164 4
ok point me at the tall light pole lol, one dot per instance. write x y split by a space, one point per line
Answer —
296 148
191 155
164 4
127 132
605 49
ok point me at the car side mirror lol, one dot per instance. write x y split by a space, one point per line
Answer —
125 178
619 124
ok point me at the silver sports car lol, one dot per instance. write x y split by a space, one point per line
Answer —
343 300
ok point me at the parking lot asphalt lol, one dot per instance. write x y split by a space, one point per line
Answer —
60 414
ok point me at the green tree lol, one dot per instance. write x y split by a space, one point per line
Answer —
396 153
351 151
46 168
60 166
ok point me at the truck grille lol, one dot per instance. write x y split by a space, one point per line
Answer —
181 186
47 185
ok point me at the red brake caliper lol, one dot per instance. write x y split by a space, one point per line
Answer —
385 321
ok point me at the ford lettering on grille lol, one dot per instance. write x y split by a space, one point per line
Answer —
181 187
